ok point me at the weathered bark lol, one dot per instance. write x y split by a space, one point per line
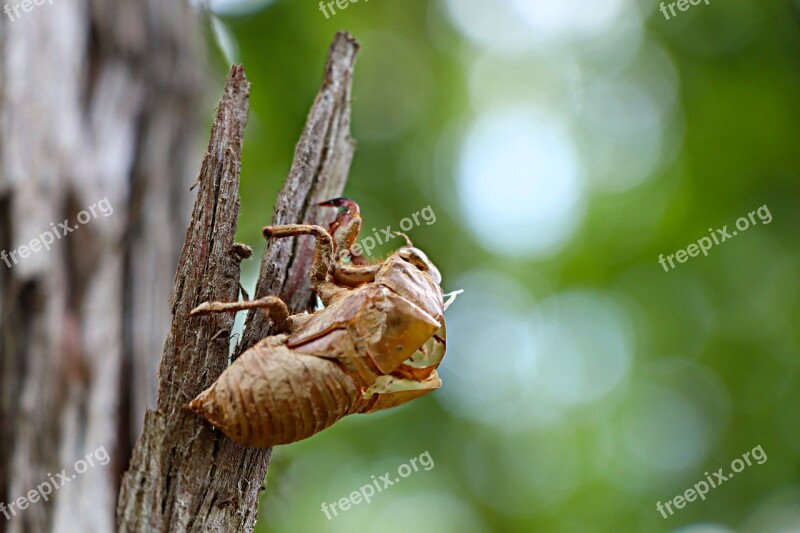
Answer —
184 476
98 100
319 171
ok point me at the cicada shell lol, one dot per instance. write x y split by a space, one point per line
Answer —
373 347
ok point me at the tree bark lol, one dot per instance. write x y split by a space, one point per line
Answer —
185 476
97 100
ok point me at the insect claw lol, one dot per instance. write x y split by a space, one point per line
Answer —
202 309
348 204
333 202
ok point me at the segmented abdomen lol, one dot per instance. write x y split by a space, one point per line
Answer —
272 395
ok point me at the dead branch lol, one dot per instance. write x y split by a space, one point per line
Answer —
184 476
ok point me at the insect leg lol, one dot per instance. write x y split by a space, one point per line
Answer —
275 307
295 321
323 253
352 275
391 391
345 227
344 239
323 257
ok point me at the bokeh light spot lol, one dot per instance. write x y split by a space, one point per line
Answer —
520 183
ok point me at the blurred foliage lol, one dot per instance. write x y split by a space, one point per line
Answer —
563 147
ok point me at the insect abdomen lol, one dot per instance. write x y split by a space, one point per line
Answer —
272 395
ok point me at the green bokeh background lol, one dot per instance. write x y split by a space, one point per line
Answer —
583 383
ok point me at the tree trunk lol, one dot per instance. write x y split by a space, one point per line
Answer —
98 101
184 476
